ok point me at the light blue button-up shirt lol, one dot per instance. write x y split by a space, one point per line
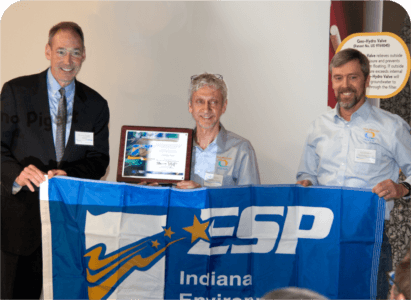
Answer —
370 148
230 157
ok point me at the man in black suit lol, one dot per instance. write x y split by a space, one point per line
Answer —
50 124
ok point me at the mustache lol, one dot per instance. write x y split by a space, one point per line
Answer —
346 90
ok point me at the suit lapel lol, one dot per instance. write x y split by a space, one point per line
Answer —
42 107
77 118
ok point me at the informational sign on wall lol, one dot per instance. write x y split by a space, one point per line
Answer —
389 61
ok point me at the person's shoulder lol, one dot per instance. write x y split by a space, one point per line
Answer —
384 116
86 92
327 116
27 81
26 86
234 136
382 112
238 140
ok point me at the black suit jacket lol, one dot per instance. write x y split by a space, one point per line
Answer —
27 138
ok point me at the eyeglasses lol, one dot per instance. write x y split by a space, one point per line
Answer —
194 77
75 53
390 279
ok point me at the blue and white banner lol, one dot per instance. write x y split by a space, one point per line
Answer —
105 240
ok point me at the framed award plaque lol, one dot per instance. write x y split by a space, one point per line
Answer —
154 154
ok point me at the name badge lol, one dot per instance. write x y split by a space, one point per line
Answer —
211 179
84 138
365 156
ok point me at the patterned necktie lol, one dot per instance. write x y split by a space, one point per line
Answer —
61 126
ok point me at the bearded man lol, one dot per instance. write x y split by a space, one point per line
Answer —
358 145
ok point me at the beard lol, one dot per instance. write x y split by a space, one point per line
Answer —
356 98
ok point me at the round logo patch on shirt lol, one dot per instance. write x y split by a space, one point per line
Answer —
370 134
223 161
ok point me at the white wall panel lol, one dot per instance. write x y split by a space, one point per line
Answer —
140 56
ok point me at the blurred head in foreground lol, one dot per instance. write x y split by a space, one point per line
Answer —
401 285
293 293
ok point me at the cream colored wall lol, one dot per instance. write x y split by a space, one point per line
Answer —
140 56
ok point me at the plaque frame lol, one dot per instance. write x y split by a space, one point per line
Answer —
123 143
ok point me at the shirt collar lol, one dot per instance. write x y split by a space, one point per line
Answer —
221 137
363 112
54 86
220 140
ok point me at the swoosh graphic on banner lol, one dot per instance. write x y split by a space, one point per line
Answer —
101 290
95 263
94 278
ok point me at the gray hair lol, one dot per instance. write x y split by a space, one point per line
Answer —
70 26
293 293
347 55
211 80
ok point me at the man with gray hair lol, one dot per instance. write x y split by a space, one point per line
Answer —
293 293
219 157
358 145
